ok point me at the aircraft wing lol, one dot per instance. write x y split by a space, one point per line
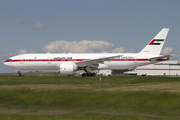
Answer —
95 61
162 56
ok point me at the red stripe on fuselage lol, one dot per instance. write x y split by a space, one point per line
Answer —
74 60
129 60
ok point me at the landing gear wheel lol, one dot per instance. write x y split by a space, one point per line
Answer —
19 73
88 74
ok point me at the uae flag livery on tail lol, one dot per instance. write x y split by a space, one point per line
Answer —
155 46
156 41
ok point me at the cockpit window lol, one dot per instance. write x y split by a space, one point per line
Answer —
9 59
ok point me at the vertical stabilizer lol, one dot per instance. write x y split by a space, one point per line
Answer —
156 44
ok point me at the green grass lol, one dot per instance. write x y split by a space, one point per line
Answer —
117 97
12 80
80 117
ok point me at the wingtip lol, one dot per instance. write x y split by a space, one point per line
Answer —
172 55
165 28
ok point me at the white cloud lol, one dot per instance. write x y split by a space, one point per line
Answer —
22 51
10 54
39 26
120 50
3 57
84 46
167 50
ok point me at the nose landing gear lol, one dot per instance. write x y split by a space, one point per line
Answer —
19 73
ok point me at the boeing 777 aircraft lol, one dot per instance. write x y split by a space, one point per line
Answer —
69 63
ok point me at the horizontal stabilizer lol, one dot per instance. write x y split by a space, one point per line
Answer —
162 56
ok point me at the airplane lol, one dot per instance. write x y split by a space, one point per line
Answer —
71 62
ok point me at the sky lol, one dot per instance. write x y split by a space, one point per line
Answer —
62 26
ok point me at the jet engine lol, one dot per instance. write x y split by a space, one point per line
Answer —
67 68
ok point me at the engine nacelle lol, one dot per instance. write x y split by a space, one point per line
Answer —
67 68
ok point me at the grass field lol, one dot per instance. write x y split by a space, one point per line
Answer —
84 98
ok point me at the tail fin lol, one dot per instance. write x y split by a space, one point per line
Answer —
156 44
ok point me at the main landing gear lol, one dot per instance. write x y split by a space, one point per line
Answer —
19 73
89 74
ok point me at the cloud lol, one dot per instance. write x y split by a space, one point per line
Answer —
3 57
22 51
84 46
39 26
120 50
167 50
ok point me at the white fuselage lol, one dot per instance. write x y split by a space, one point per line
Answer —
68 63
52 61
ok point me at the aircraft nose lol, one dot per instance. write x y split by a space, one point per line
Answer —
7 62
